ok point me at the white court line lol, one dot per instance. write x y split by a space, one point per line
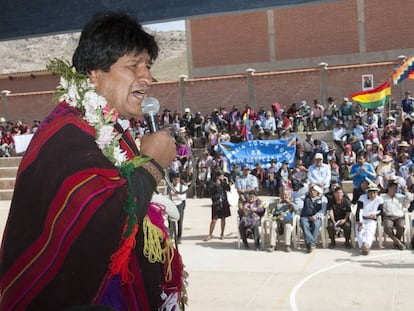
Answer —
292 297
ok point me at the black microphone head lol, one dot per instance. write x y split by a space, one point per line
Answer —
150 105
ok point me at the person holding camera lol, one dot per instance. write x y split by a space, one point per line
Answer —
220 207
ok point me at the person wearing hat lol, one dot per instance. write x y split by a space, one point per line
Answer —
369 207
346 112
390 125
319 173
393 212
404 147
339 134
361 170
166 117
331 114
331 153
313 211
246 183
385 172
213 138
404 166
187 121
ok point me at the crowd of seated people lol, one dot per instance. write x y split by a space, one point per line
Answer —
360 152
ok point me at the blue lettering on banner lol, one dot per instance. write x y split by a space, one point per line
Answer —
260 151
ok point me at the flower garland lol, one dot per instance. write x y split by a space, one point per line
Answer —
77 91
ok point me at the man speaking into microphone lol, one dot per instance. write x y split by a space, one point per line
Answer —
82 230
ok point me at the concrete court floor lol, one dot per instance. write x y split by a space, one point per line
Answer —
225 278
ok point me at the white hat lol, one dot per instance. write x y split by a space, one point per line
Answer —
391 118
318 156
187 110
368 142
346 99
403 144
2 120
317 189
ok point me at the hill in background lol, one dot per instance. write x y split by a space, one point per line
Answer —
32 54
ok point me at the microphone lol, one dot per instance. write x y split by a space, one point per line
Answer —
150 107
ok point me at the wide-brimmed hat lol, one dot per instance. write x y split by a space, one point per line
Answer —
403 144
367 142
387 158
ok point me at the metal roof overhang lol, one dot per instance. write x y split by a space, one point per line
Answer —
29 18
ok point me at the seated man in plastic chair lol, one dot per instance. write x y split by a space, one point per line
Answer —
250 212
393 212
314 209
282 214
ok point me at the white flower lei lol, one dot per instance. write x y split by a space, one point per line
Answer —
77 91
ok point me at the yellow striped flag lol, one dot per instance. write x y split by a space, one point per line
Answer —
374 98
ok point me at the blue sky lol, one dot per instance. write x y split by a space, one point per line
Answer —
176 25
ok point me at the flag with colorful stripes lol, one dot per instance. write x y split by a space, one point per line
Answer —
404 71
245 132
374 98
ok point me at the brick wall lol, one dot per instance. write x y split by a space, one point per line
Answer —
316 30
337 32
206 94
221 40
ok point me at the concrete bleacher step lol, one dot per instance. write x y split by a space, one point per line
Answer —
8 171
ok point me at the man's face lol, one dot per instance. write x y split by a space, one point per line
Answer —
126 84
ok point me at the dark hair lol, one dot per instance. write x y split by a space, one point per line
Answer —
107 37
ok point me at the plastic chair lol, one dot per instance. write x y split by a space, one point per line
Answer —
266 226
323 232
406 237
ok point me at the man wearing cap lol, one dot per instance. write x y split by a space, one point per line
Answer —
369 207
346 111
246 183
319 173
331 114
314 209
393 212
187 121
